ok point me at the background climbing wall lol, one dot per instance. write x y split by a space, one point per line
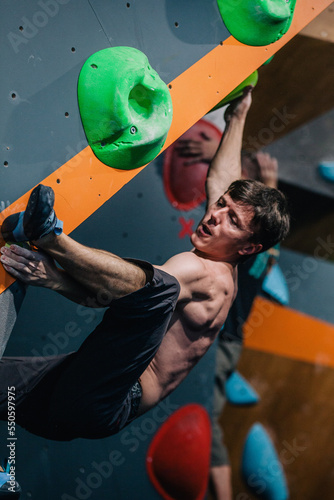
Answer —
288 355
44 46
289 361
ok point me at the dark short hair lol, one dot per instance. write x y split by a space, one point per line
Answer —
271 220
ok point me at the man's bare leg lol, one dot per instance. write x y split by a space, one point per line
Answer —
99 271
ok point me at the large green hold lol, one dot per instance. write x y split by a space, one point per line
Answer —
257 22
125 107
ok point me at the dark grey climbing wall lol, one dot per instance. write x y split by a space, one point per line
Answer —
303 150
44 44
309 279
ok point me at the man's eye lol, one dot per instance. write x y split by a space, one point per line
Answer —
221 203
233 220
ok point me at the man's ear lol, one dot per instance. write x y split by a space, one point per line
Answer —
251 248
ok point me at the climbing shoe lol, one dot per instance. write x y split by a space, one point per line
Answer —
38 219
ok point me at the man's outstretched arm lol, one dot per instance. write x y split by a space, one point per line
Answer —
226 164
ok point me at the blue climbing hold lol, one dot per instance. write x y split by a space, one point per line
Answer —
239 391
261 468
276 286
326 170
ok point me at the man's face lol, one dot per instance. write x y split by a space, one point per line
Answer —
225 229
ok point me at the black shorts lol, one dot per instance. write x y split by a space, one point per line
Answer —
90 393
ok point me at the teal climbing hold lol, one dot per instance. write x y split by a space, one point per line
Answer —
239 391
257 22
261 468
326 170
125 107
276 286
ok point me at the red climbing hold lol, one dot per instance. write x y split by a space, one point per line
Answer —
178 458
184 176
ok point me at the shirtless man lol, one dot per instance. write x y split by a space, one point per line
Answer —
95 391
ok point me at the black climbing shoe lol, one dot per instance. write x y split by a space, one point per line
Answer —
38 219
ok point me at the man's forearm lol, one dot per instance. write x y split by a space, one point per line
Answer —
226 164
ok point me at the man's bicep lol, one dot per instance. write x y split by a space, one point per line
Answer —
215 189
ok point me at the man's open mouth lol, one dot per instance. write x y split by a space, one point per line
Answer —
206 229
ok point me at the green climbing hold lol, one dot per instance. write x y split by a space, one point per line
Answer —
257 22
125 108
238 91
23 244
268 61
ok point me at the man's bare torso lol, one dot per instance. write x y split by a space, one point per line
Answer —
207 291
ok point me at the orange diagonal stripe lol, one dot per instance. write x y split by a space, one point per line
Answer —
286 332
